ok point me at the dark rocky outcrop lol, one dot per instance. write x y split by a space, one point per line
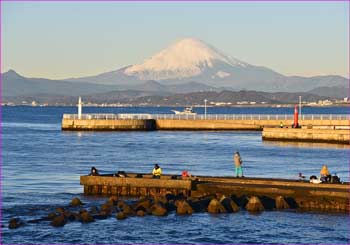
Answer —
160 198
60 210
121 216
158 209
59 221
143 204
75 202
183 207
51 216
85 217
126 209
254 205
71 216
140 213
113 200
106 209
15 223
281 203
93 210
216 207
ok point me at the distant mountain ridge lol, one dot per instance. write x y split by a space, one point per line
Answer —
226 97
192 60
175 88
137 98
14 84
187 66
333 92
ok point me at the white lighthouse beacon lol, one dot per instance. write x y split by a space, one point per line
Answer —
80 106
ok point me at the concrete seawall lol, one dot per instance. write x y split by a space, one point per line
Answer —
307 135
168 124
109 125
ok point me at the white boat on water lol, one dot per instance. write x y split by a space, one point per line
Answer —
186 111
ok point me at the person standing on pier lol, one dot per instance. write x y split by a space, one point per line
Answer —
238 165
157 172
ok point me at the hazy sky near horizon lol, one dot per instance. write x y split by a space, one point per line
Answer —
74 39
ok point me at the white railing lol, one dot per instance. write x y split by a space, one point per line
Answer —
107 116
209 116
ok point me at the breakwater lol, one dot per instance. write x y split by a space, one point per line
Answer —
307 135
331 128
298 194
108 125
198 122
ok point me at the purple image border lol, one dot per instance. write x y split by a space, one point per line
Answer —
189 1
150 1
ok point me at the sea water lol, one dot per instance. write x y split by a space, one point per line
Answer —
41 166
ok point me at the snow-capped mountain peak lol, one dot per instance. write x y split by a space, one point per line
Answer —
185 58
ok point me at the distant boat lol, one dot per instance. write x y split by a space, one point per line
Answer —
186 111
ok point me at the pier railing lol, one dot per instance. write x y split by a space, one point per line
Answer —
208 116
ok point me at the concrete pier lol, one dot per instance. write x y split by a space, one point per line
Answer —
196 124
302 195
109 125
307 135
132 186
190 124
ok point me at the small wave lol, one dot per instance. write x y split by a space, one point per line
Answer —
39 126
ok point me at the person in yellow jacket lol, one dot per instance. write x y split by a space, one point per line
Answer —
157 171
325 175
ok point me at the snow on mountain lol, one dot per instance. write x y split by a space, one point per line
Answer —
185 58
192 60
222 74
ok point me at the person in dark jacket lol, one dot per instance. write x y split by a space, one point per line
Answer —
94 172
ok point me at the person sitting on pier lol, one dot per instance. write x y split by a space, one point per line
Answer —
238 165
94 172
185 174
314 179
301 177
325 175
157 172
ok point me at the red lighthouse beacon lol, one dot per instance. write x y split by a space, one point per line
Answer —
296 115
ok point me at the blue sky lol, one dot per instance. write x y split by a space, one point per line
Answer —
72 39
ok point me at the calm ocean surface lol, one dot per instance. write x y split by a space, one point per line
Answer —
41 166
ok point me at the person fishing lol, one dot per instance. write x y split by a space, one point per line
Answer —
157 171
94 172
185 174
238 165
325 175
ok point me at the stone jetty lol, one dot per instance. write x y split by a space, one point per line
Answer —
124 198
272 193
307 135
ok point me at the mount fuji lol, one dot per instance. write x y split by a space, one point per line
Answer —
192 60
